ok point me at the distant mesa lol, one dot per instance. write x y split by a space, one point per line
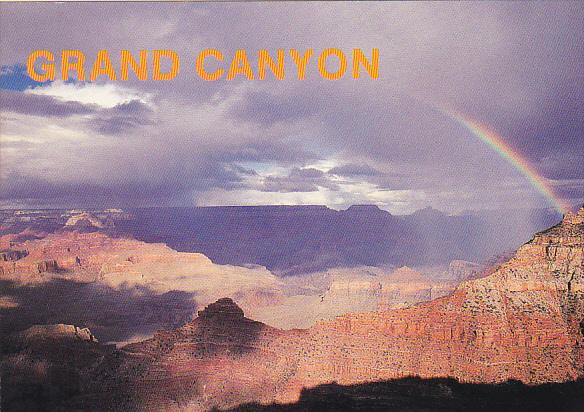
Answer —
365 208
406 274
296 240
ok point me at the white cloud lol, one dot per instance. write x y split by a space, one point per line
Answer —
105 95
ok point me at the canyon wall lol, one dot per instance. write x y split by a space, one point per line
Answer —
523 322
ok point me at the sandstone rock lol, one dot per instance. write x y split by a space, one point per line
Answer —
459 270
123 262
521 322
222 309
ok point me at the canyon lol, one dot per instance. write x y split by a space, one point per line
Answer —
523 322
297 240
80 259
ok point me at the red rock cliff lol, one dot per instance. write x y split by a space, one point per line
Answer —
521 322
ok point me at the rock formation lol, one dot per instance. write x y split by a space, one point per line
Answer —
119 262
326 295
522 322
459 270
221 358
296 240
402 287
54 332
46 365
97 257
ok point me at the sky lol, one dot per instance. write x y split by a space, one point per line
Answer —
516 67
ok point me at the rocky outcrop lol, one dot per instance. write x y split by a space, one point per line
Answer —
459 270
29 268
45 365
401 288
84 219
125 262
222 310
219 359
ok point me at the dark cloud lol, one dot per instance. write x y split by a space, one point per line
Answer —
563 165
172 187
384 181
266 108
122 117
306 173
39 105
244 170
41 190
263 150
573 190
108 121
550 136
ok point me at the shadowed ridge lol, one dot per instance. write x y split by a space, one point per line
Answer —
438 394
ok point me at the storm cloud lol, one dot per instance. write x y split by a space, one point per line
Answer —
299 180
515 67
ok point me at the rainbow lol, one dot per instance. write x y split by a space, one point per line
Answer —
498 144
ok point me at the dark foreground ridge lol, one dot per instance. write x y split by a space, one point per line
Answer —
439 394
